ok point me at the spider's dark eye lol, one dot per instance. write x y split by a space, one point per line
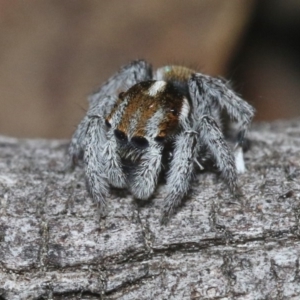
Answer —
139 142
120 135
107 123
121 95
159 139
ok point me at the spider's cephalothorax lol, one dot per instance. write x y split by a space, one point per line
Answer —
140 124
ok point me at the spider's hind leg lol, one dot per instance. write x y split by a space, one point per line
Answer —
212 137
212 96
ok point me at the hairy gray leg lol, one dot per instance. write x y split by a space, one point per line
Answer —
128 75
210 95
102 101
78 142
181 171
76 146
112 165
212 137
143 182
96 179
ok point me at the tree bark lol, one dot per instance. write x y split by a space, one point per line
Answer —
54 246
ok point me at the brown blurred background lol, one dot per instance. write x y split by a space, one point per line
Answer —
54 53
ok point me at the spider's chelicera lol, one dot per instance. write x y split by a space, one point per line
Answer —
141 124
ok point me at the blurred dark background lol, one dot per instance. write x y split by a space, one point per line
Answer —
54 53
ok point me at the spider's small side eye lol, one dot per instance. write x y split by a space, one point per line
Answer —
120 135
107 123
139 142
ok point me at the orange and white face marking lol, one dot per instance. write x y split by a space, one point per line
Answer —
157 87
185 109
150 109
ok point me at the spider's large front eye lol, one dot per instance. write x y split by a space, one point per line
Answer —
159 139
120 136
139 142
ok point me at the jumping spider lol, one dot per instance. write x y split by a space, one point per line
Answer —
142 124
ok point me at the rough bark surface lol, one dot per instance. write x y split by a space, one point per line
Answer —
53 246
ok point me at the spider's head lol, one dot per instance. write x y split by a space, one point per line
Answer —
150 112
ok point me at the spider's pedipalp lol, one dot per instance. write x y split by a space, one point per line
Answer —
181 170
112 165
143 181
212 137
76 147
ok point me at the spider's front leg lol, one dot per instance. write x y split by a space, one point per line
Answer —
90 140
79 138
181 171
103 100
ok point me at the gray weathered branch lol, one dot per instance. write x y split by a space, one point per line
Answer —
53 246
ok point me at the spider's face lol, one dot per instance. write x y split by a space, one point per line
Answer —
148 113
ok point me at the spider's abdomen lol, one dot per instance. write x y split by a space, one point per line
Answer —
177 75
149 109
